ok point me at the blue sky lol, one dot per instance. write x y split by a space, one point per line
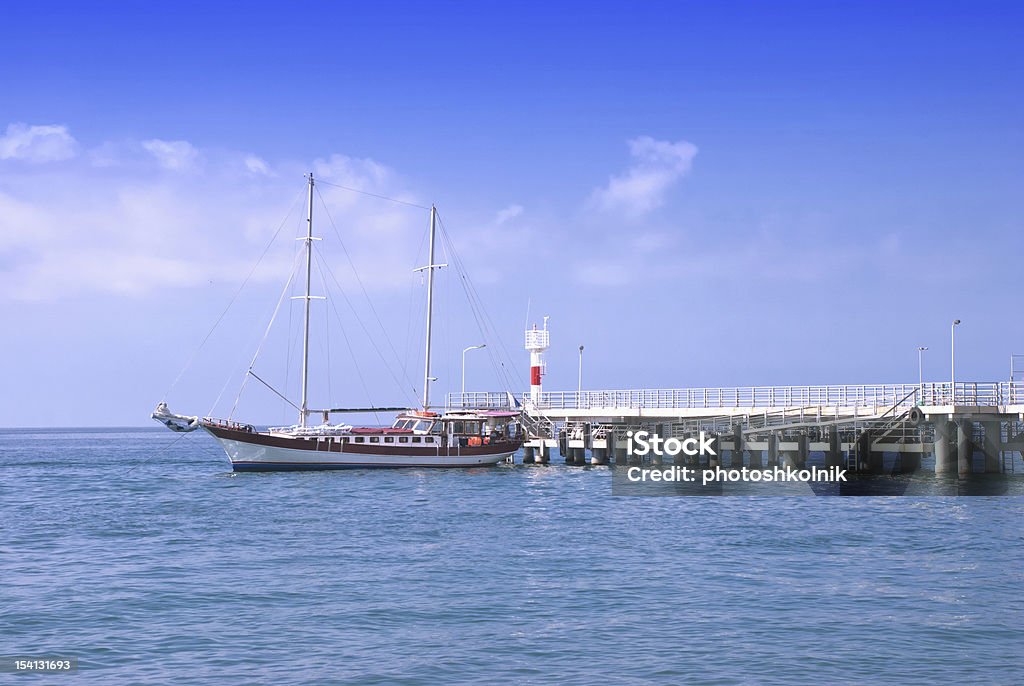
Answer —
700 193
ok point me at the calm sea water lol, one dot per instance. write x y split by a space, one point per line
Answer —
155 564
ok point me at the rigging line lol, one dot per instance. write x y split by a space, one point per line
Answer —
276 392
376 348
348 344
266 333
477 307
290 343
488 325
372 195
234 297
159 453
479 311
366 295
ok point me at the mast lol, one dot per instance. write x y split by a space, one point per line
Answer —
303 411
430 305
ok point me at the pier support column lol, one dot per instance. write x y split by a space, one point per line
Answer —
944 463
736 458
875 458
715 460
803 450
599 456
964 446
754 459
563 446
993 446
788 459
543 454
528 454
834 455
773 450
909 462
579 456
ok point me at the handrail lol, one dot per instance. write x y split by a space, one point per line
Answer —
762 397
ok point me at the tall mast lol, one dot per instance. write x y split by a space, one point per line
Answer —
430 305
303 411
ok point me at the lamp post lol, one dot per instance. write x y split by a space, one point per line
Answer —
579 383
952 359
472 347
920 372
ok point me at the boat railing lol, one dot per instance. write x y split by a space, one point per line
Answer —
229 424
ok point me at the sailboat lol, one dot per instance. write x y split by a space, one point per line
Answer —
417 438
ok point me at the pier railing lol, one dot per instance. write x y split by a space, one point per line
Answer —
981 394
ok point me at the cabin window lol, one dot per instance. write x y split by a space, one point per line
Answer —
374 439
403 439
389 439
416 439
457 427
358 439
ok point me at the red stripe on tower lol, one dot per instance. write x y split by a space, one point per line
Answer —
535 376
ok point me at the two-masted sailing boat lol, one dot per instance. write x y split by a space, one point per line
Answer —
418 438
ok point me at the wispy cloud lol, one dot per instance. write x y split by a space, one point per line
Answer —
112 221
256 165
38 143
657 166
507 214
173 155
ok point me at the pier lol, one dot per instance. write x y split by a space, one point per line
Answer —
966 427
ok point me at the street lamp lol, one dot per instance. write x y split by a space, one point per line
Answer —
579 384
920 371
472 347
952 359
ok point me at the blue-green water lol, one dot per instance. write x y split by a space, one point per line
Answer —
161 566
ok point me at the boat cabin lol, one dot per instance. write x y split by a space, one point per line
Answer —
463 427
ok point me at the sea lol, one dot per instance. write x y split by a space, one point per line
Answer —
141 555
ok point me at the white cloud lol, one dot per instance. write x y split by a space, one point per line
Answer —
173 155
657 165
256 165
50 143
128 229
507 214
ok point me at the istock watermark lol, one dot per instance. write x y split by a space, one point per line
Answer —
644 443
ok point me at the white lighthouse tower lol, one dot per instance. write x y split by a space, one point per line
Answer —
537 342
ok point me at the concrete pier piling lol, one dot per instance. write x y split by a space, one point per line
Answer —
773 450
964 446
599 456
993 446
579 456
834 454
803 450
528 455
543 454
910 461
754 459
944 463
736 456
